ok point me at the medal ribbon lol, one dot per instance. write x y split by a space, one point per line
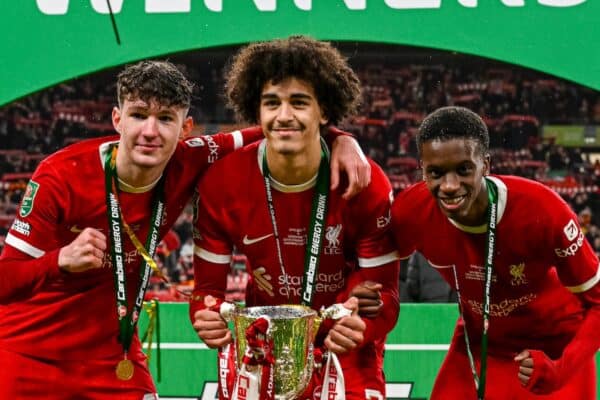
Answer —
316 230
152 309
128 320
492 217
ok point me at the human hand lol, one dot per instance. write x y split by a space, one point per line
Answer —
537 372
525 366
211 328
347 333
369 298
346 155
86 251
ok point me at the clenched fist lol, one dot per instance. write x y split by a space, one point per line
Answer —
83 253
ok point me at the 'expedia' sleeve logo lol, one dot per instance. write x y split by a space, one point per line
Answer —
194 142
571 250
571 230
28 198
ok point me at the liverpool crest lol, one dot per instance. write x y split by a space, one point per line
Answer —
517 272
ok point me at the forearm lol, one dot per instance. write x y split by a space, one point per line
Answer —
550 375
207 284
380 326
583 346
252 134
21 276
331 133
388 276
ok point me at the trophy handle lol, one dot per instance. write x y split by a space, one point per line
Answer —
316 325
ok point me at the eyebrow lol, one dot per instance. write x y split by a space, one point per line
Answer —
143 107
293 96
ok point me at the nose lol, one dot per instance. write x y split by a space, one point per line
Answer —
450 183
285 112
150 127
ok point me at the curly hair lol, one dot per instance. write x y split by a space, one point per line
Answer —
160 81
318 63
447 123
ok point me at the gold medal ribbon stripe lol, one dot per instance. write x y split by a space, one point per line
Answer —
149 260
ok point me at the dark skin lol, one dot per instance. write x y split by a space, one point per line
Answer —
454 172
369 298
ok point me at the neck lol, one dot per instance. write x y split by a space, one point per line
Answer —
134 176
294 169
479 215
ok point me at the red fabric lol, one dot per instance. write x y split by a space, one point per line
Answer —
57 315
227 369
455 381
359 378
544 288
171 241
262 354
545 377
32 378
355 233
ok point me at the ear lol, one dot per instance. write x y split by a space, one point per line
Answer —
486 164
324 118
187 127
116 119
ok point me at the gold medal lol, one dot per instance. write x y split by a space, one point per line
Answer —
124 370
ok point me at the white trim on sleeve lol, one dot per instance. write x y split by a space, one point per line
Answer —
212 257
587 284
23 246
377 261
238 139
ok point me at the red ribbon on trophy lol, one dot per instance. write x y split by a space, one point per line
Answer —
333 379
253 376
227 362
227 370
258 360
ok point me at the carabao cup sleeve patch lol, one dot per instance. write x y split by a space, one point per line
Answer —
28 198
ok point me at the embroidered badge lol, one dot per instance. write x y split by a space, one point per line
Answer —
332 235
518 273
28 198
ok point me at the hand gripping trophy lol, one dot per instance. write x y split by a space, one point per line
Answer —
273 354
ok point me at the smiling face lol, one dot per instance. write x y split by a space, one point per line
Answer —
454 172
149 135
290 116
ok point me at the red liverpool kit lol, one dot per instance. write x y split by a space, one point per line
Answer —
68 321
543 292
356 247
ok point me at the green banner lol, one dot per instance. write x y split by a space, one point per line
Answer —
49 41
573 135
414 352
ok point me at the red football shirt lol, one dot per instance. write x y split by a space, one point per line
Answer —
356 243
544 270
58 315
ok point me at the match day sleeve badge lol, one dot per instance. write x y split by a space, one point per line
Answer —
28 198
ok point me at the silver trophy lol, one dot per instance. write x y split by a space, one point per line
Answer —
293 329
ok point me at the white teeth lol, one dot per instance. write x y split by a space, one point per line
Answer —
453 200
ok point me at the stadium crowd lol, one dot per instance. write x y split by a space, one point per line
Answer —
516 104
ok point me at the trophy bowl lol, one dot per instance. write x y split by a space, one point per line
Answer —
293 329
